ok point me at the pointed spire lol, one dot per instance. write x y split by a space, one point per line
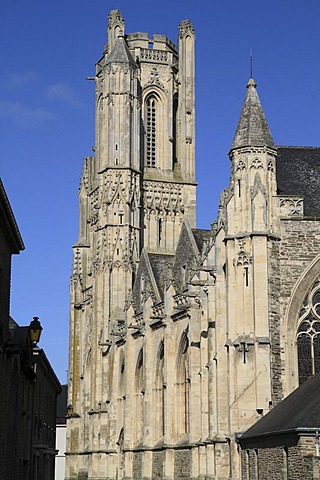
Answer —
115 27
120 52
252 129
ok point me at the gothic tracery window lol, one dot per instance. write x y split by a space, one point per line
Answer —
308 334
151 130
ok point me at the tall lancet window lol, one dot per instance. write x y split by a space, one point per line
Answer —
159 391
182 387
151 130
308 334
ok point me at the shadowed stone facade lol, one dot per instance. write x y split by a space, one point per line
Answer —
181 338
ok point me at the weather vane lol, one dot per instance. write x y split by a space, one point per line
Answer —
251 61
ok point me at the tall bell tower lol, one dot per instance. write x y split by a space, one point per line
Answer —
134 194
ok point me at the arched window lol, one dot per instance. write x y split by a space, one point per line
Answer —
308 334
182 387
151 121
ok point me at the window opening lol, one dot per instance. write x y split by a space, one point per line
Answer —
151 131
246 276
239 188
159 231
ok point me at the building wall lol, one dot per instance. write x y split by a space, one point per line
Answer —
61 448
284 462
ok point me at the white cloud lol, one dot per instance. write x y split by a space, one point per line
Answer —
62 91
24 115
15 80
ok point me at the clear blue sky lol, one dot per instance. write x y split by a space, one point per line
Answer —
47 48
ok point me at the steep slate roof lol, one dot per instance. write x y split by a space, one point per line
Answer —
252 129
298 173
187 255
297 412
120 52
201 236
155 268
161 266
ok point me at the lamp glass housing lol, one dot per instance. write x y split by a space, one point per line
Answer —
35 330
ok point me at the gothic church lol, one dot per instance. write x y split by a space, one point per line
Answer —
182 338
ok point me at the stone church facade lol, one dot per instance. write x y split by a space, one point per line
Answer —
182 338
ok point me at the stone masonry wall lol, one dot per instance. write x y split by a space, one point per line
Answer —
300 244
157 465
137 466
274 464
182 460
274 322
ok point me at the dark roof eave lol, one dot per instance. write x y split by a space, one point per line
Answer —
9 222
297 430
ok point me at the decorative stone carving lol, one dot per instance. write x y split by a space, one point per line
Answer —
156 76
154 55
241 166
163 197
115 18
77 267
185 28
257 186
94 207
271 166
291 206
242 259
256 164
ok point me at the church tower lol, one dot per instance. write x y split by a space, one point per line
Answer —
135 192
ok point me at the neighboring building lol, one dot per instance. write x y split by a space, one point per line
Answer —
284 444
61 432
28 385
181 338
46 390
15 376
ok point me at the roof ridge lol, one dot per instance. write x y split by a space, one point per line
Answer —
297 146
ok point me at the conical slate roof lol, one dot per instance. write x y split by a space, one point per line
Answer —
252 129
120 52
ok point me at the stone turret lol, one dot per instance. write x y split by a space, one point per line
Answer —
250 226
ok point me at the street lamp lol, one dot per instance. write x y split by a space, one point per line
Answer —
35 330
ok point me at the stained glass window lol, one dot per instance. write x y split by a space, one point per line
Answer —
308 335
